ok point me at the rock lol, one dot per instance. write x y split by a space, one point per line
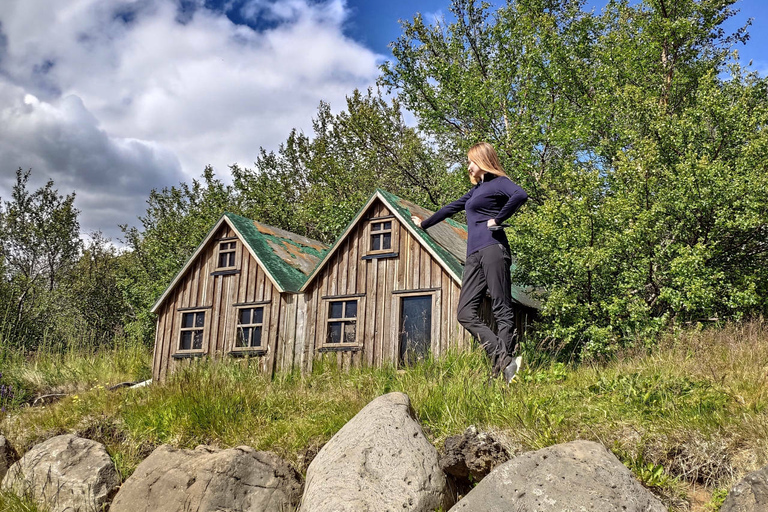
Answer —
65 473
469 457
580 475
749 495
7 456
208 479
379 461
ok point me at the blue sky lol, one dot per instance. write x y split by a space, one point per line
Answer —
111 98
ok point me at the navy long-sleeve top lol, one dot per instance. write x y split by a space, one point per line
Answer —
495 197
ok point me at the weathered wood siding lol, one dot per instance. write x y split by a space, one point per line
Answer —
379 283
219 296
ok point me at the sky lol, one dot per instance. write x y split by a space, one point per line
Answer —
112 98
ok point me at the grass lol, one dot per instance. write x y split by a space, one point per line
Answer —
688 417
9 502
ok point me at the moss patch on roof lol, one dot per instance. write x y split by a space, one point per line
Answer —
289 258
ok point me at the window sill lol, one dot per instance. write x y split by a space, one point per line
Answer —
382 255
340 348
187 355
248 353
225 272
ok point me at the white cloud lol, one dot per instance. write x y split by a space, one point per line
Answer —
149 93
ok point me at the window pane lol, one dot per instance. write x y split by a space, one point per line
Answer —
388 225
375 242
334 332
256 337
244 317
231 259
223 259
186 340
197 340
243 333
375 226
387 243
349 332
258 315
232 245
199 319
187 319
351 309
335 309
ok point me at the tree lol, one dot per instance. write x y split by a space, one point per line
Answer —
92 290
39 241
649 202
314 186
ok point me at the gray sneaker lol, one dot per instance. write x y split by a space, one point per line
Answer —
510 371
512 368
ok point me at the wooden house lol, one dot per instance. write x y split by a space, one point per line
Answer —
385 292
237 296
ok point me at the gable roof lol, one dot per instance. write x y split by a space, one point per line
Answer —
286 258
445 241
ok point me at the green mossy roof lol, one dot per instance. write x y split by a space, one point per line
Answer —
289 258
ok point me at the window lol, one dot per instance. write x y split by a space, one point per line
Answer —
227 255
250 323
342 321
381 236
192 325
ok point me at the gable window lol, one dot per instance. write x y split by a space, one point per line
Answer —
227 255
192 326
250 326
342 322
381 236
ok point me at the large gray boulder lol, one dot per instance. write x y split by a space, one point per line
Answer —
576 476
210 480
379 461
749 495
7 456
65 473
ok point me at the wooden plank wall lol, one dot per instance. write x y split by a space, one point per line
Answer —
198 288
378 313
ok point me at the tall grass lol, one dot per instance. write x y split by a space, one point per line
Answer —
690 412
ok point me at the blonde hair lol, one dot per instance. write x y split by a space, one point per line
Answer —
485 157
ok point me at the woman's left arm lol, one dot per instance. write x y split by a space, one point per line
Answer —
516 198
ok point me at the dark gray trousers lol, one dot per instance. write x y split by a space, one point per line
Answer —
488 269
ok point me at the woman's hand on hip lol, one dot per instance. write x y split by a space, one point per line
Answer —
491 223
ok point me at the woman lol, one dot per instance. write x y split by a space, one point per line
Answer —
491 201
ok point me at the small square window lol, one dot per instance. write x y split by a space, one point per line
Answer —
192 327
381 236
342 322
250 324
227 251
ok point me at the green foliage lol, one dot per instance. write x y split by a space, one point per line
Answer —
314 186
39 242
10 502
638 139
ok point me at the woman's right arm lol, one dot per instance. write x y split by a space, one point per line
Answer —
447 210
